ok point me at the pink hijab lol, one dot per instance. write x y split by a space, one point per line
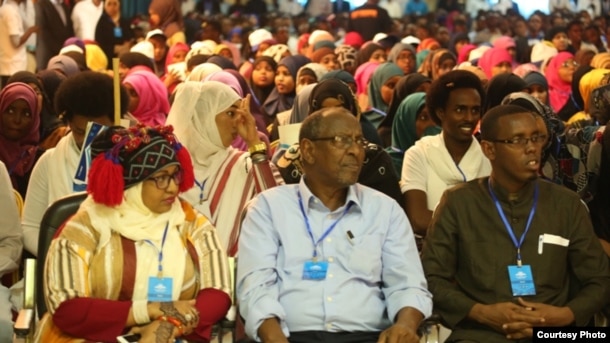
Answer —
492 57
504 42
559 90
173 50
154 104
363 76
19 156
465 52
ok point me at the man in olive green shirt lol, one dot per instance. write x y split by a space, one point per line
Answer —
509 252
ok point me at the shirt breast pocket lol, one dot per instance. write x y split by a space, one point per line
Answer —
365 255
546 275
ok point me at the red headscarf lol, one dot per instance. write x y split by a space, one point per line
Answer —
19 156
354 39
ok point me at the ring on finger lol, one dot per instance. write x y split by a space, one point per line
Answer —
188 317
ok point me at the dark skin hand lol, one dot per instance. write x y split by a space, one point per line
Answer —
405 328
517 320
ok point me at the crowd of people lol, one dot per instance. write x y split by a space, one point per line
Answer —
369 166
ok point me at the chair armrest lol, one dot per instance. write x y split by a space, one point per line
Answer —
24 325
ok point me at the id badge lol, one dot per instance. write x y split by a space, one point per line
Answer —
521 280
315 270
160 289
118 32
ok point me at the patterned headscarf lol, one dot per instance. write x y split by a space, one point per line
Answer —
346 55
123 158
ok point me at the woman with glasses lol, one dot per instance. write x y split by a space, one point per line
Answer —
207 117
438 162
135 258
559 74
403 55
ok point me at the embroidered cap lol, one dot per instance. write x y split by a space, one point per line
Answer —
124 157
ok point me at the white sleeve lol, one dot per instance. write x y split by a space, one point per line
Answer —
414 174
36 203
10 232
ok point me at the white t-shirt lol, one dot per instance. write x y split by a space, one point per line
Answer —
429 167
85 16
12 59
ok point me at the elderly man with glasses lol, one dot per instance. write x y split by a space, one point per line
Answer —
330 260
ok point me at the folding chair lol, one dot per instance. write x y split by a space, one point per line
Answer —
34 305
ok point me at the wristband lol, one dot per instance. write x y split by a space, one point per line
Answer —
258 148
174 321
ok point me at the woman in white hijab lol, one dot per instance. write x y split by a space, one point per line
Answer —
206 118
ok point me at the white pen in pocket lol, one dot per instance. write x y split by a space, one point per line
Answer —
547 238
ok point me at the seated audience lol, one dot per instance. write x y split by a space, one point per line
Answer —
175 278
80 99
533 229
207 117
359 280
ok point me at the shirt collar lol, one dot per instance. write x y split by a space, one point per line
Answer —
522 196
309 198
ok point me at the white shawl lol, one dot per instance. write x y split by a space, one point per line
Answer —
193 116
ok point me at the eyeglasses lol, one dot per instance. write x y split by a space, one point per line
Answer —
343 142
570 64
162 182
522 141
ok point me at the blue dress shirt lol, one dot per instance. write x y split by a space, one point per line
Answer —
370 277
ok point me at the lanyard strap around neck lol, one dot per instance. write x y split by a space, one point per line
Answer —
160 260
328 230
202 188
507 225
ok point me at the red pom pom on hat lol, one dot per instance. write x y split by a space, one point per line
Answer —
186 164
105 181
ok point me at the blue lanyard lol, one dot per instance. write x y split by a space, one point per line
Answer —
508 226
201 187
326 233
160 268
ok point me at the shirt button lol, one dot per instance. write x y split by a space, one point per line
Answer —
330 275
329 239
329 325
330 259
330 299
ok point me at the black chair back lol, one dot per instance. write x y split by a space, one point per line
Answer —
54 217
